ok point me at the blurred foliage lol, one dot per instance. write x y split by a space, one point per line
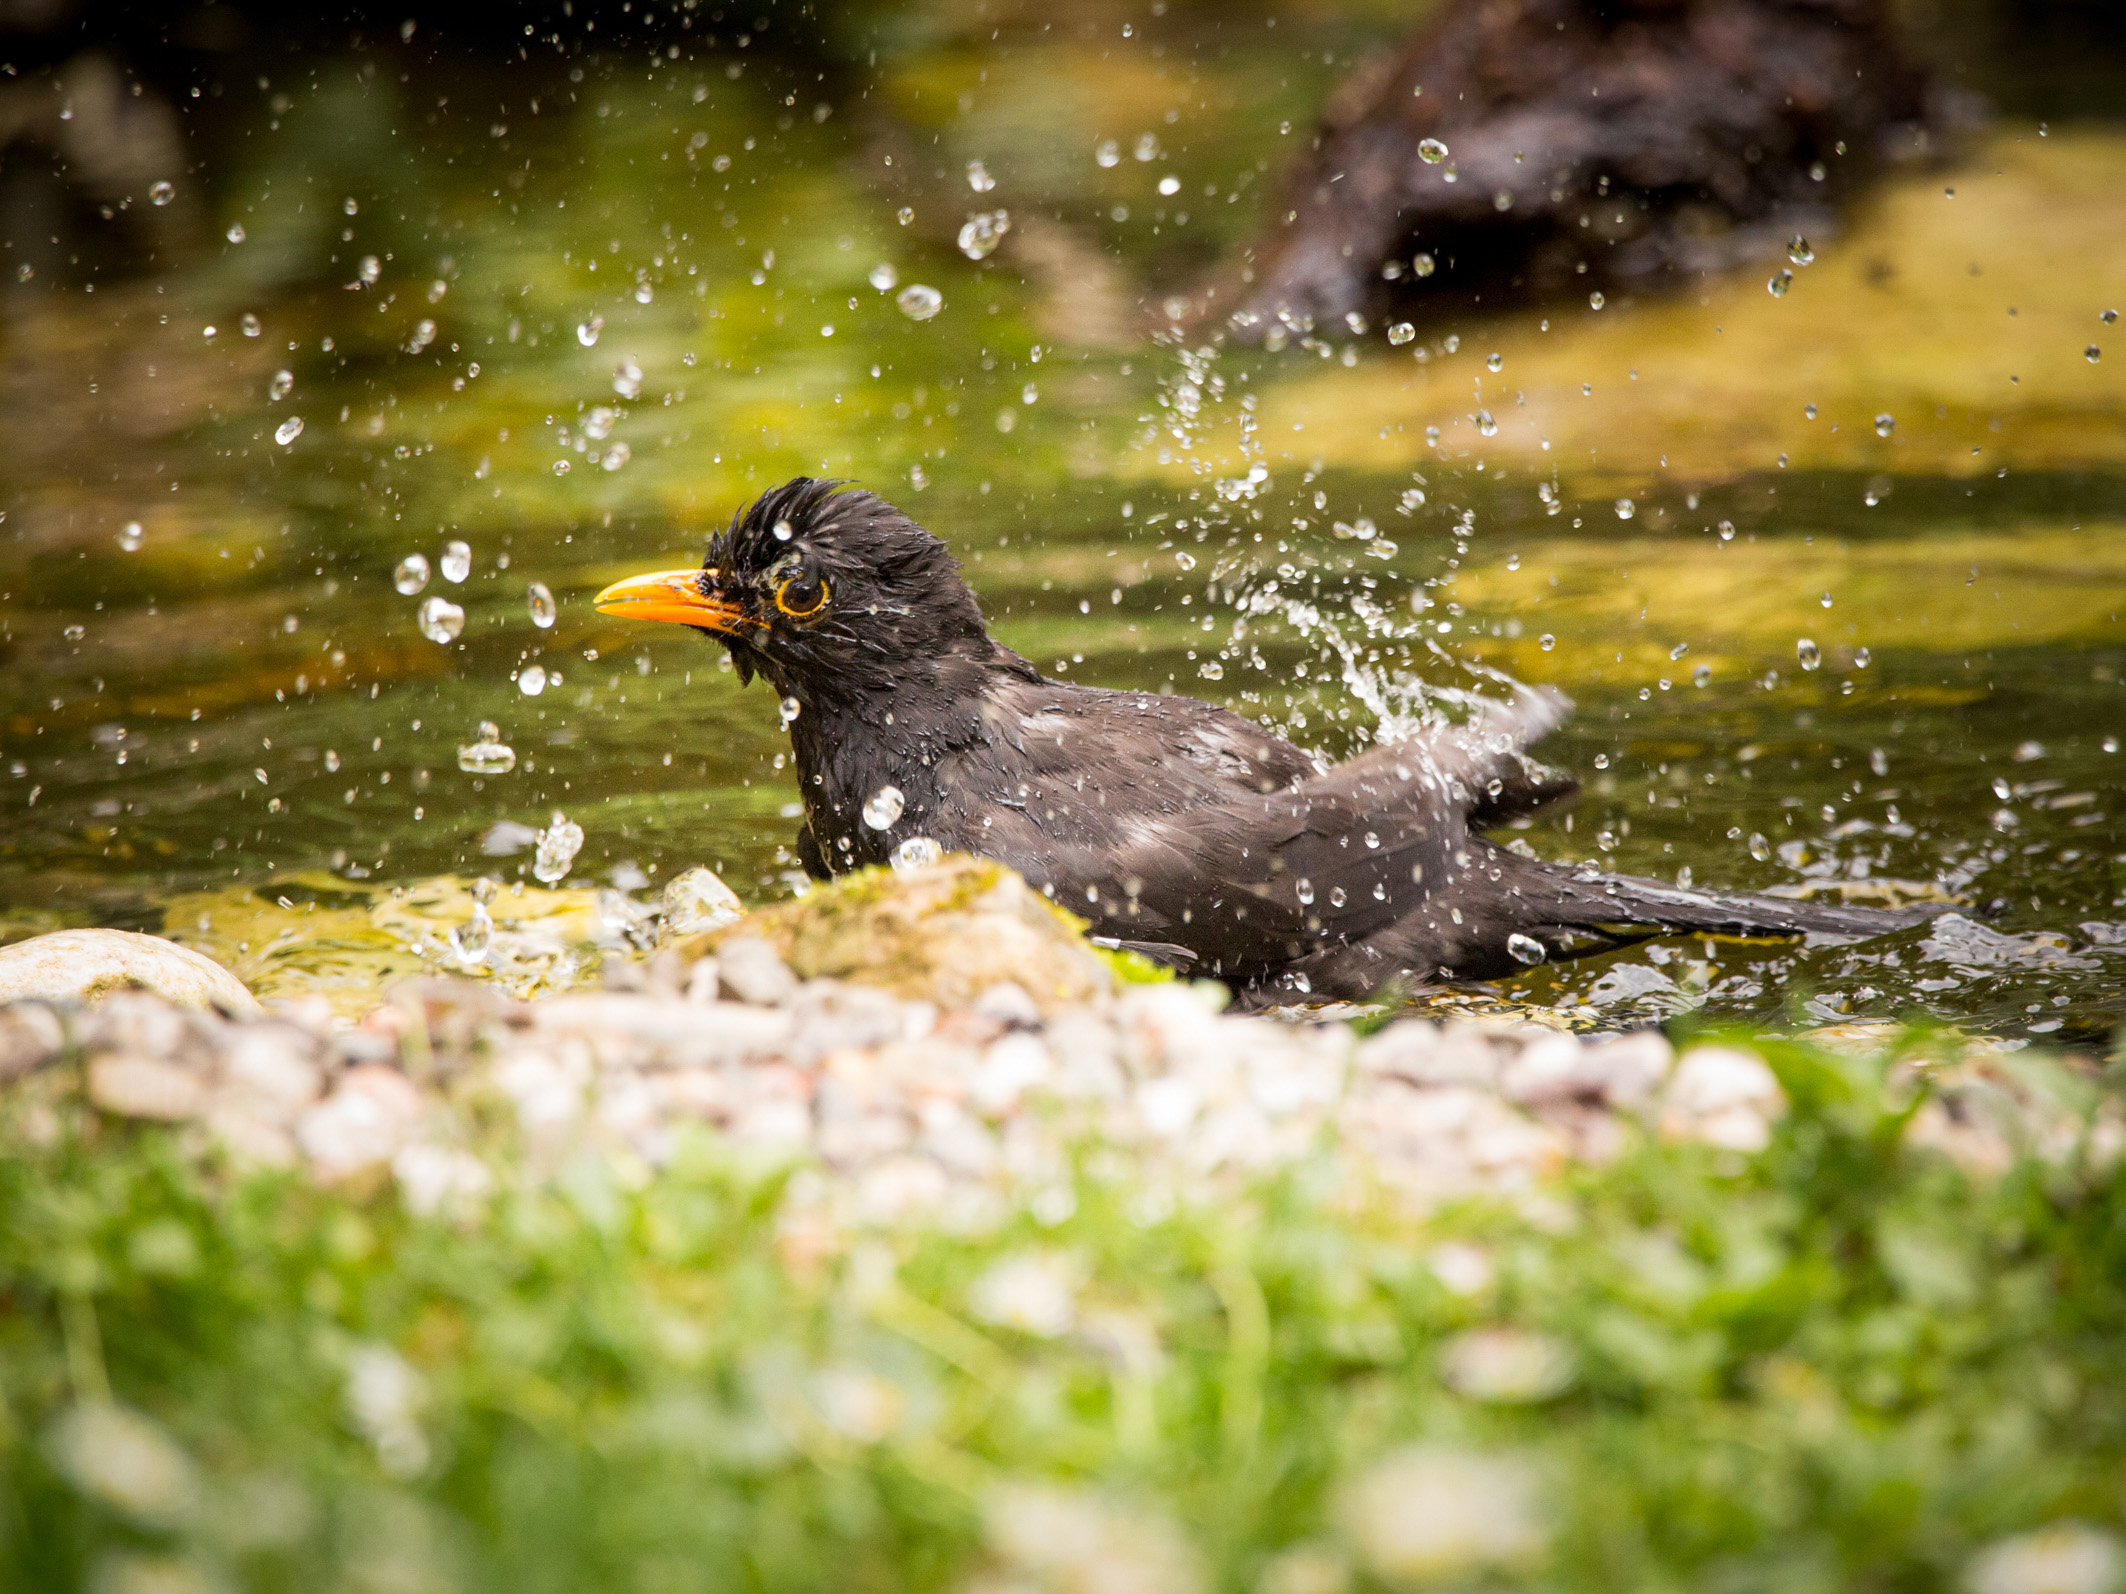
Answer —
1842 1364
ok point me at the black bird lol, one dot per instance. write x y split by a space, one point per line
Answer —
1178 829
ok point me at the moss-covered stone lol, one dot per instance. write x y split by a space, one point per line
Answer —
945 933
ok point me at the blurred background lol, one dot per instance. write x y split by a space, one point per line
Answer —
346 354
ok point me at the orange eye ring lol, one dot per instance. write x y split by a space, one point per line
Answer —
818 603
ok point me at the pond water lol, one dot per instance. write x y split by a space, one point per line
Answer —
548 323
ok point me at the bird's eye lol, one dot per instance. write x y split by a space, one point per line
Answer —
801 596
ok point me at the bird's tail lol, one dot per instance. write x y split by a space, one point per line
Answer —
1573 913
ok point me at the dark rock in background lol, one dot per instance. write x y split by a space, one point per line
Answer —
1588 143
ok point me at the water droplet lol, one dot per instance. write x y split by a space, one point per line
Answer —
790 709
350 206
1485 425
644 293
1185 559
1546 641
281 386
904 215
919 302
917 852
1413 498
627 379
161 192
1431 151
2109 317
1885 424
1423 265
1825 600
1810 655
1401 332
1305 892
1526 948
249 324
587 331
1337 896
531 680
1494 362
883 808
1211 670
1780 282
2092 354
411 574
1170 185
559 843
561 467
1352 319
1862 658
235 234
469 941
1595 301
288 431
983 232
1702 675
369 270
978 177
487 753
782 531
74 633
1147 147
1760 849
441 620
1107 153
131 535
1726 528
543 608
1679 650
616 456
882 276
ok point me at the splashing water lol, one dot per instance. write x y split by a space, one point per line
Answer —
441 620
983 232
456 563
916 852
919 301
558 845
539 598
883 809
487 753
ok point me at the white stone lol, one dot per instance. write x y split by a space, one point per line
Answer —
361 1125
146 1087
751 971
88 965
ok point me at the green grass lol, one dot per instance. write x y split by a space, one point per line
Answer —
1841 1364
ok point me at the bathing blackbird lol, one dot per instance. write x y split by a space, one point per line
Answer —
1178 829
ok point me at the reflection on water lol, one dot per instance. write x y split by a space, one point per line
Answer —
292 523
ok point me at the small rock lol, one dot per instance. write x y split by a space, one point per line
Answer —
940 933
751 971
1007 1003
89 965
146 1087
30 1036
1724 1097
361 1125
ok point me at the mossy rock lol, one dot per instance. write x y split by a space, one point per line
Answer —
944 933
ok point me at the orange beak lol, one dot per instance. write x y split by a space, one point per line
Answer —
683 597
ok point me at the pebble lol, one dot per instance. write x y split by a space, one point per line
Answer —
960 1105
89 965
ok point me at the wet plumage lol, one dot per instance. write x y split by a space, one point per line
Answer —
1177 828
